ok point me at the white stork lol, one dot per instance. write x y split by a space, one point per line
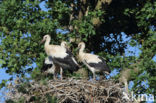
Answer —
93 62
49 67
60 56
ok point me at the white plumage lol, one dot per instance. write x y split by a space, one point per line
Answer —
61 56
93 62
48 66
64 44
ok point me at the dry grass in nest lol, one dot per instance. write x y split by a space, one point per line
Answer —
72 91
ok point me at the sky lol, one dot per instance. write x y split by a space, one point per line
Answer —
135 51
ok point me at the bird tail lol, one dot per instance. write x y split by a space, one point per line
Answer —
107 69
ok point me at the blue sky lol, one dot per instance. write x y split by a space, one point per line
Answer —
135 51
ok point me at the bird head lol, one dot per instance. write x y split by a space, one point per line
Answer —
81 45
45 38
64 44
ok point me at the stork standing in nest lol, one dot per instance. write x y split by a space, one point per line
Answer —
93 62
49 67
60 56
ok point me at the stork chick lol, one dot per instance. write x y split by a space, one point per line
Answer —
60 55
48 64
49 67
93 62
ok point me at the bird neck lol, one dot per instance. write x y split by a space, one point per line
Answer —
47 42
81 51
62 44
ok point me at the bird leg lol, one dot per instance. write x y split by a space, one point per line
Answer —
54 75
94 76
61 73
103 76
126 86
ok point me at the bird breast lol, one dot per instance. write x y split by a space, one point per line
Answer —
56 51
89 58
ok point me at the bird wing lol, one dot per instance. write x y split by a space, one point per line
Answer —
91 58
101 65
67 62
47 64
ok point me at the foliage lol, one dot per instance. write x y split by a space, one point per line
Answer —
99 23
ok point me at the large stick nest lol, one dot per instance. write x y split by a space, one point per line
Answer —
70 91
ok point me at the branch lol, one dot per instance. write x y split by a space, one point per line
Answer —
71 90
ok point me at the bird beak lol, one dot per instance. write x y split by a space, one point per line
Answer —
42 41
78 47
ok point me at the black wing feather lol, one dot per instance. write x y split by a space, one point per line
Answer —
46 66
66 63
102 66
